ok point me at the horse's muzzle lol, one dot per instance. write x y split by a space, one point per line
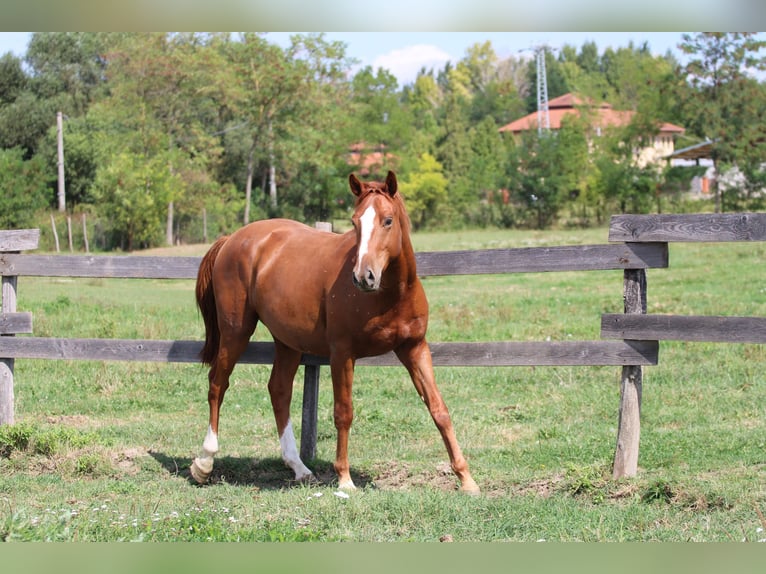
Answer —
368 282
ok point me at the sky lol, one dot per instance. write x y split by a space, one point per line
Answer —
405 53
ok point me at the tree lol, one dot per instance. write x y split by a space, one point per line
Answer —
68 65
289 103
424 191
378 116
24 188
12 79
717 105
135 190
162 88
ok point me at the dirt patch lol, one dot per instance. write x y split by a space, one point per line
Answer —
125 460
543 488
398 476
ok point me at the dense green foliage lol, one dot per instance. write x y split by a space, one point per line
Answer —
162 128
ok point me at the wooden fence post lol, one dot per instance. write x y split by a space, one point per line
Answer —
6 365
629 425
309 416
11 242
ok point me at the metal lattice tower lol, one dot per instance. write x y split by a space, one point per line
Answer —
543 117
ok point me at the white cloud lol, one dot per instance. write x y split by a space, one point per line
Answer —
405 63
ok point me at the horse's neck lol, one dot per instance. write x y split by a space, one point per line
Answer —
406 261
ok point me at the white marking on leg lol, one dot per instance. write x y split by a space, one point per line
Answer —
210 444
290 453
367 221
202 466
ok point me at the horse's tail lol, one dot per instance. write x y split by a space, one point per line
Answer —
206 302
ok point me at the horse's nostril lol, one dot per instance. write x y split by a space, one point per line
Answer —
370 277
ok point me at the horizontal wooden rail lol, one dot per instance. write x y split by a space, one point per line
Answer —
19 239
99 266
689 227
13 323
493 354
488 261
684 328
543 259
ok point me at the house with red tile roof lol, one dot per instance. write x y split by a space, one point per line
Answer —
370 159
603 117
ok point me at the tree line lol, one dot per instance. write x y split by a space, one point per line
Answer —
165 133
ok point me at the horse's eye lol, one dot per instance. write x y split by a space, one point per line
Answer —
388 222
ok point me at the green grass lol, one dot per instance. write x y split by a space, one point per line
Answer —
101 450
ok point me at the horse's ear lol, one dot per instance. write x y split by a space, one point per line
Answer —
356 185
391 183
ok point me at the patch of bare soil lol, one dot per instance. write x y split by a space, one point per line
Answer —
543 488
398 476
125 460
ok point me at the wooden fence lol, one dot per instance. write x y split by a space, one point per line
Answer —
630 339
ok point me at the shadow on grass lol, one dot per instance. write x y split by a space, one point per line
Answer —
264 474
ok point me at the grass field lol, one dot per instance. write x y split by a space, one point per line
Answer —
100 451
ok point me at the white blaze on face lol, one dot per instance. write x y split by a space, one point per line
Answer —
290 453
367 221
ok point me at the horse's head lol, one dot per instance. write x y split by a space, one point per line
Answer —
378 220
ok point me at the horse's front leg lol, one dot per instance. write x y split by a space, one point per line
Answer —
416 357
342 369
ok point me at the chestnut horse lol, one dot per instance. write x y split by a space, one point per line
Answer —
338 296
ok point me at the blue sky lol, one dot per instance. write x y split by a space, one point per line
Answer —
404 53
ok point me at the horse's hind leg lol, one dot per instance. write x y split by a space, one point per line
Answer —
286 362
233 343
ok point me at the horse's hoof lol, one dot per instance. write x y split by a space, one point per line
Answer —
470 488
347 485
307 480
200 471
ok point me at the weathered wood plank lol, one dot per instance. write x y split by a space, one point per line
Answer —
543 259
684 328
689 227
15 323
19 239
533 259
105 266
7 400
511 353
631 385
309 418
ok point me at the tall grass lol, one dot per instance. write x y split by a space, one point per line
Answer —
540 441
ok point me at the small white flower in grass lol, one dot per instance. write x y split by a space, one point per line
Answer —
315 495
341 494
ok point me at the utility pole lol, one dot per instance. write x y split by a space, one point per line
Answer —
543 117
60 138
